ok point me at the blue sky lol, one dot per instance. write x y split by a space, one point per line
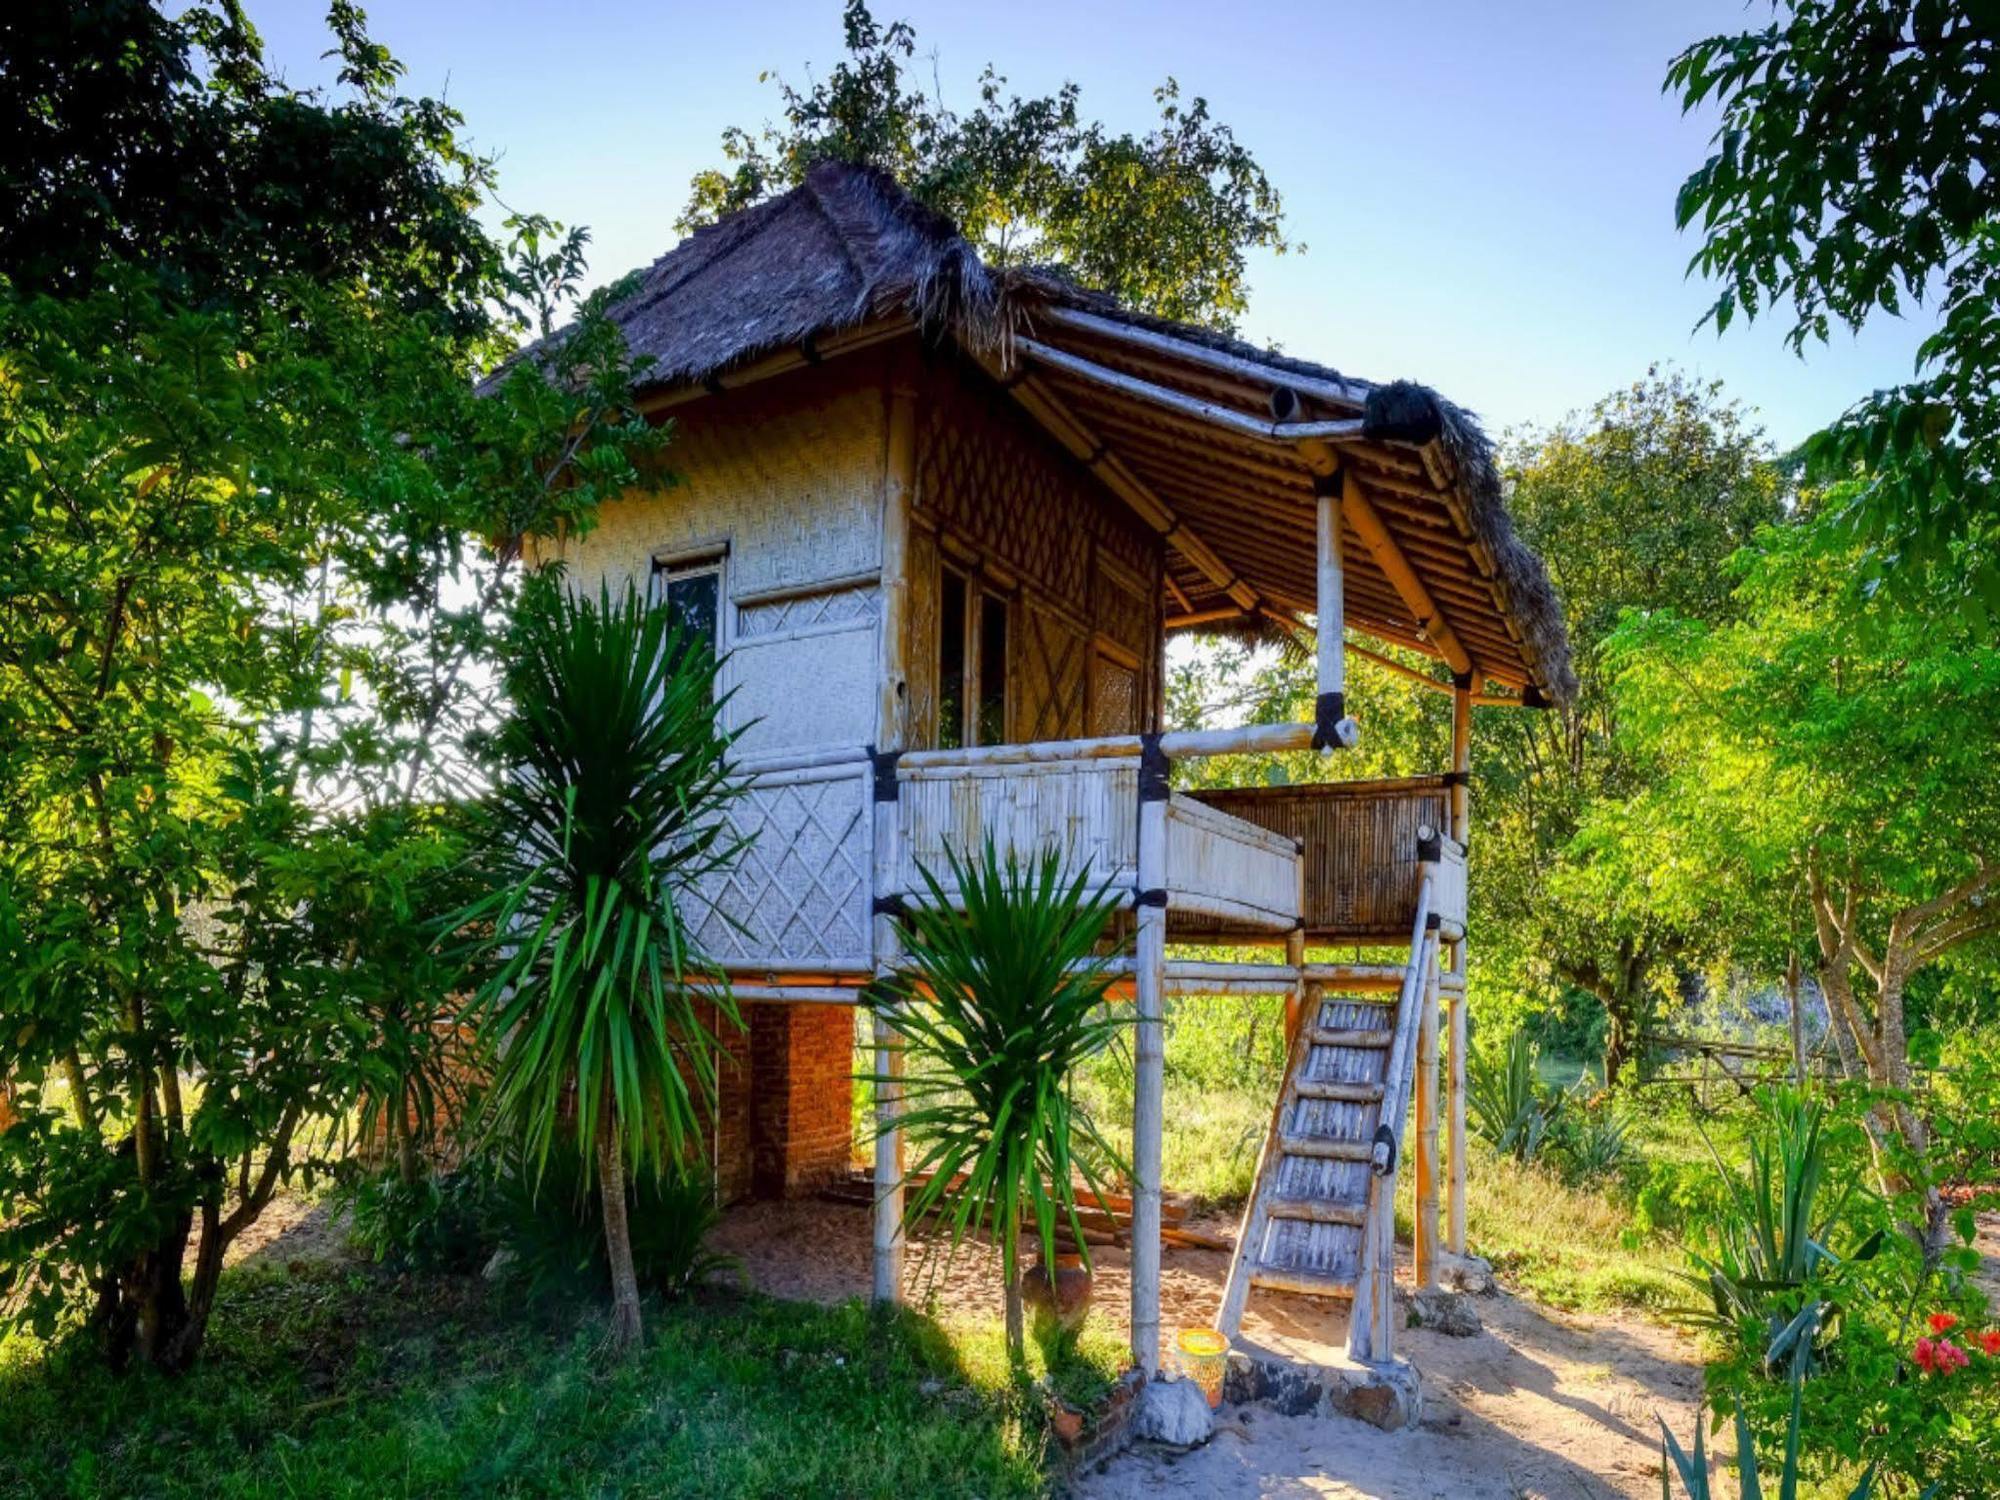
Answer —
1485 190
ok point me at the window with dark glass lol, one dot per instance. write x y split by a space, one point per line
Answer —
692 593
951 725
992 670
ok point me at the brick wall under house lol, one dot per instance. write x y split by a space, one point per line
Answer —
786 1121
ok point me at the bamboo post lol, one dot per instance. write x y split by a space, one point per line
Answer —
898 482
1461 827
1331 726
1426 1239
1149 1058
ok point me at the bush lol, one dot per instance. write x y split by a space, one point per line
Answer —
1510 1107
437 1223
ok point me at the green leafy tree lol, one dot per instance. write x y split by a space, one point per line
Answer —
999 1000
1162 220
1841 758
131 136
234 656
1850 178
1635 505
611 806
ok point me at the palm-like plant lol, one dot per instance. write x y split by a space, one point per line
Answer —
609 808
1000 998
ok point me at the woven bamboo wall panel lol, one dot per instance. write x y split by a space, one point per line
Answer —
788 474
798 897
1002 491
1048 666
920 639
1361 847
830 609
1084 809
1114 697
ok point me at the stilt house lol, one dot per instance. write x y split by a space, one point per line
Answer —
941 521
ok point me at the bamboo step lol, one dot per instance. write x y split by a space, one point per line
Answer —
1320 1148
1380 979
1318 1211
1307 1283
1348 1036
1340 1093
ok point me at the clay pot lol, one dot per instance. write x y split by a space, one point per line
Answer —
1066 1294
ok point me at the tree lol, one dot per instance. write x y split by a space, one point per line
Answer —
1635 506
1845 757
131 137
233 660
1851 176
1162 221
999 1000
610 808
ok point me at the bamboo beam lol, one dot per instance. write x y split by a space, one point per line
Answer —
1149 1062
1331 726
1368 525
899 480
1341 392
1462 701
811 352
1426 1237
1346 429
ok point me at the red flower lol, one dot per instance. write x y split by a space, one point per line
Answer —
1950 1357
1989 1342
1925 1354
1942 1323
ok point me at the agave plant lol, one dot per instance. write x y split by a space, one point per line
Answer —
610 807
1771 1242
1000 999
1790 1349
1509 1106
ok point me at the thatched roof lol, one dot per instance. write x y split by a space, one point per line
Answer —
849 250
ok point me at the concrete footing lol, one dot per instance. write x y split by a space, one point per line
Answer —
1388 1396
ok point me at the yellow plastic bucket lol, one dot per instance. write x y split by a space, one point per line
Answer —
1203 1356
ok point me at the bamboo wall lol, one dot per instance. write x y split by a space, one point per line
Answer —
999 500
1360 847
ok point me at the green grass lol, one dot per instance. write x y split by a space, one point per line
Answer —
344 1382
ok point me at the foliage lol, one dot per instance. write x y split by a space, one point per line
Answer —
1013 1003
1161 221
1696 1472
1902 1379
1506 1101
334 1381
235 669
435 1222
128 135
1830 758
1849 177
610 807
1769 1249
1636 505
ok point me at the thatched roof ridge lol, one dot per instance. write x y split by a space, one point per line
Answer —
845 247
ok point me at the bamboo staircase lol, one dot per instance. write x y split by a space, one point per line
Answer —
1321 1216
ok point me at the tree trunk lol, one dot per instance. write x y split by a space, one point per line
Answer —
1010 1272
626 1328
1796 1002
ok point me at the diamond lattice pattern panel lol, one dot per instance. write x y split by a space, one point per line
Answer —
798 897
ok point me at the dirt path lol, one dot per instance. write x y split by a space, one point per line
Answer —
1540 1404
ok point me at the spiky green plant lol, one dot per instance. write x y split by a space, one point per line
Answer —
1790 1349
1771 1241
609 808
1000 997
1509 1106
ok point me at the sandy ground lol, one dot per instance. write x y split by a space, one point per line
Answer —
1539 1404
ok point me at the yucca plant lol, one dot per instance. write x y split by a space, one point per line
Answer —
609 808
999 1000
